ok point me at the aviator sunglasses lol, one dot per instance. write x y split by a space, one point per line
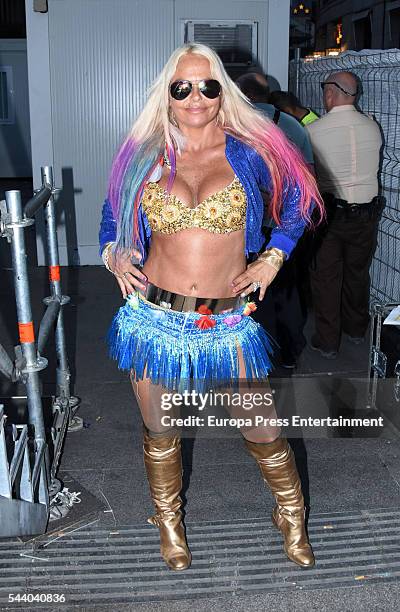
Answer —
210 88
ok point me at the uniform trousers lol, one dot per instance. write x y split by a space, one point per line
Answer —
339 276
281 314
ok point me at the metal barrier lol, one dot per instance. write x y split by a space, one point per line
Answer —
24 498
379 74
25 490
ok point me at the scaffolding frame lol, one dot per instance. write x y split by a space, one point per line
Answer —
27 471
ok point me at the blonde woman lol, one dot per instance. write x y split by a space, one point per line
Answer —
184 203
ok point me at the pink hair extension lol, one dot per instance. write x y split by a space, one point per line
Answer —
131 168
287 166
119 167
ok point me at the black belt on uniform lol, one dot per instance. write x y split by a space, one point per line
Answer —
350 209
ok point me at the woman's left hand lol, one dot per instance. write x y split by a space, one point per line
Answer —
259 271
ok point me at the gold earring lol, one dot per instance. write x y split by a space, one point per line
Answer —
172 118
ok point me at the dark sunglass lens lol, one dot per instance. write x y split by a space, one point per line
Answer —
210 88
180 90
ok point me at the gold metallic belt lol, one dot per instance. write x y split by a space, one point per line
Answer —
185 303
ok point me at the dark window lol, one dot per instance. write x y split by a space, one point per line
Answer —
7 110
3 96
12 19
395 28
321 38
234 44
363 33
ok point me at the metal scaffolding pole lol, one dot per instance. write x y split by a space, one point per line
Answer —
63 373
38 479
31 362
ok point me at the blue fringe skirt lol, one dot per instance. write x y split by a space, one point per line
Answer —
171 347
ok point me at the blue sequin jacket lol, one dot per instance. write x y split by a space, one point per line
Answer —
254 175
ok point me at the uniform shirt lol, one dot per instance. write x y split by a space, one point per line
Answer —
292 129
346 147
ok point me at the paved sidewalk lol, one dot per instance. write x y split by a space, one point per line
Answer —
352 482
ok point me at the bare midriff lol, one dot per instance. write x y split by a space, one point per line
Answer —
194 261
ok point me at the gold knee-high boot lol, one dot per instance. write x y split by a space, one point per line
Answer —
278 468
163 462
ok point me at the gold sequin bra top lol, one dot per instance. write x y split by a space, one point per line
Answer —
222 212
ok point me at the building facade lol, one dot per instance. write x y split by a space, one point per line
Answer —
357 24
302 27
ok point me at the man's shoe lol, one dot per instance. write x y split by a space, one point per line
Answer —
288 360
289 364
314 345
355 339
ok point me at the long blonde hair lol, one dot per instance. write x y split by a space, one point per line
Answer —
153 132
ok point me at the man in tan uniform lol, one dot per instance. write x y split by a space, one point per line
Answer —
346 146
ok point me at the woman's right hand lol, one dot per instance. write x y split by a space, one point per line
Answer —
129 277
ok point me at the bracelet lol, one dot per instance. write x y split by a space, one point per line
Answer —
273 257
106 256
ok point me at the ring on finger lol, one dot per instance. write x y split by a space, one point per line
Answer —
256 285
124 274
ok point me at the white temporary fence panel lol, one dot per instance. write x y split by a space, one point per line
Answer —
379 74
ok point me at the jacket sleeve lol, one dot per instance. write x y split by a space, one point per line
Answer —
108 226
286 235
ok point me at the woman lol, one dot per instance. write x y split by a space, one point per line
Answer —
184 200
